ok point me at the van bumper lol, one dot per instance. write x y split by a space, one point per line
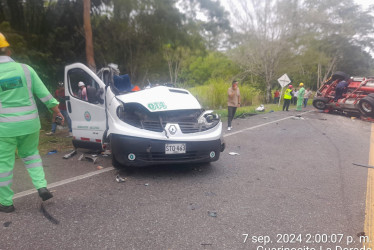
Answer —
137 152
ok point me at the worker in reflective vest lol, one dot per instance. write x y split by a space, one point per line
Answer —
20 125
287 97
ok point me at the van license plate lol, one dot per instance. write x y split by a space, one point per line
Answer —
175 148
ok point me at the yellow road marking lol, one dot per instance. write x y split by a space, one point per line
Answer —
369 213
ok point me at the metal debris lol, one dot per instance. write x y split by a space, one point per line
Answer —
90 158
233 153
81 157
146 184
69 155
212 213
120 179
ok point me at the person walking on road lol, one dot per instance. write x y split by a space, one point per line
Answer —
60 96
20 125
287 97
233 102
300 97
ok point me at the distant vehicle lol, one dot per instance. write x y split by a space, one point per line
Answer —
158 125
357 98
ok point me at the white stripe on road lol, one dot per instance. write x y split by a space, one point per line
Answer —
84 176
63 182
264 124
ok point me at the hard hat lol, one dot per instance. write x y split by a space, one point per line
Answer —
3 42
80 84
301 84
290 86
61 84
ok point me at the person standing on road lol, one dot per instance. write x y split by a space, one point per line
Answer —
308 94
233 102
20 125
276 96
300 97
60 96
287 97
294 96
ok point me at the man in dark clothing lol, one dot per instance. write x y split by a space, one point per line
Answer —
340 89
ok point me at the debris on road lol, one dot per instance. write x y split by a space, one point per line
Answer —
7 224
48 215
87 158
146 184
260 108
362 165
120 179
69 155
99 167
54 151
298 117
212 213
233 153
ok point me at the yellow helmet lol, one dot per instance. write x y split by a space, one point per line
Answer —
301 84
3 42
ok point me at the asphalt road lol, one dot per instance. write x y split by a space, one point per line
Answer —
293 184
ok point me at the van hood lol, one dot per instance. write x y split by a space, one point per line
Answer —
162 99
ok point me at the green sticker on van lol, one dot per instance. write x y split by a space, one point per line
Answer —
157 106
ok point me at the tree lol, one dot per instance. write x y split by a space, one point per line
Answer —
88 35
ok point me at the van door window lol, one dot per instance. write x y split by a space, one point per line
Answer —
78 75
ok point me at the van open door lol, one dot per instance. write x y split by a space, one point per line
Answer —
87 116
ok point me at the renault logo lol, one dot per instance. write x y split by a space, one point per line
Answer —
172 129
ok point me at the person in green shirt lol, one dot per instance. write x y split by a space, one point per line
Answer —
300 97
20 124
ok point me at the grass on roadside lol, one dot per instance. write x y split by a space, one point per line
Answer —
58 141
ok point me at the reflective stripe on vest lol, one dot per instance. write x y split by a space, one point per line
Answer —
29 158
2 175
19 118
31 107
34 165
5 183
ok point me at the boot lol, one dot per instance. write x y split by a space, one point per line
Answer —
6 209
44 194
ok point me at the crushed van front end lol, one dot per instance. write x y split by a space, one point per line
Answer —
142 134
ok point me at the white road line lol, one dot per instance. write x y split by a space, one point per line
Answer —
84 176
264 124
63 182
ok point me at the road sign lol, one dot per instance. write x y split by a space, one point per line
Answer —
284 80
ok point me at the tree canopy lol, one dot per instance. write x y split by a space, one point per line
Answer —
196 41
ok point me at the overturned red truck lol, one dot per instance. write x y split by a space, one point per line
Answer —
346 94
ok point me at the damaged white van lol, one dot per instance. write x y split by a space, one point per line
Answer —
159 125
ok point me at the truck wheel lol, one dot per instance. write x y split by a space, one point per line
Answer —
320 103
366 106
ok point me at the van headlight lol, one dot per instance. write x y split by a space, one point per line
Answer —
209 119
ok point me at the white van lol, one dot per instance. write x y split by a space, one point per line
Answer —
159 125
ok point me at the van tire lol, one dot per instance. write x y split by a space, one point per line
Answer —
116 163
